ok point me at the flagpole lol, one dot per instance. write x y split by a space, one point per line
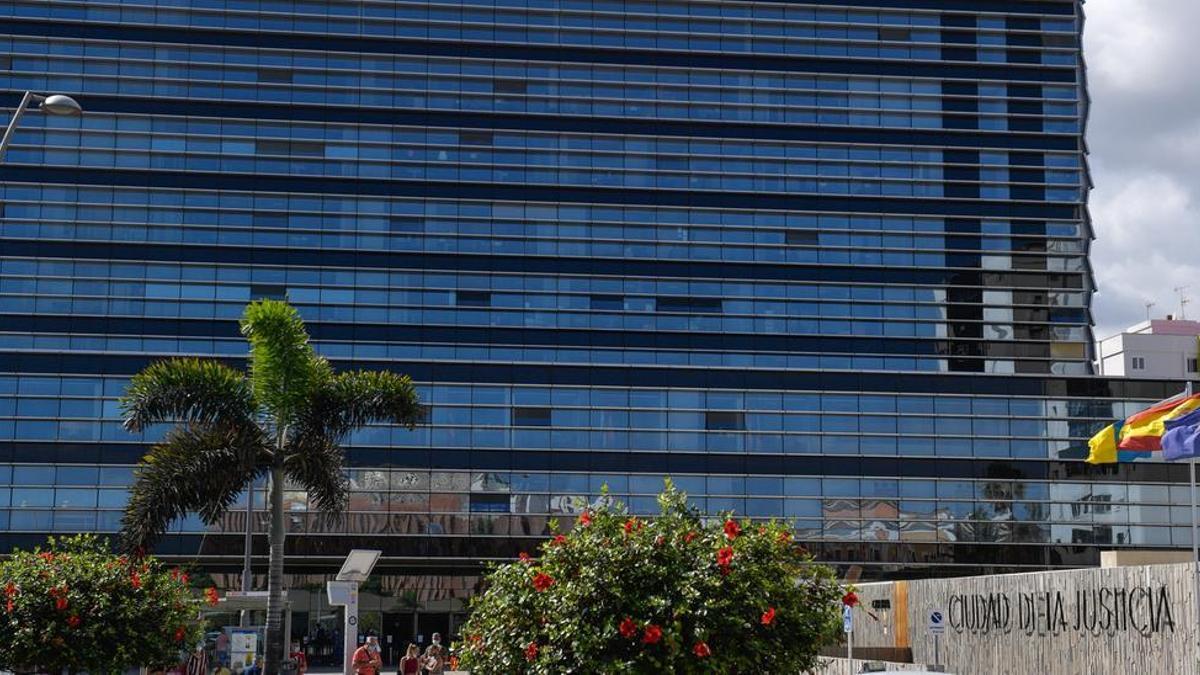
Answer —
1195 550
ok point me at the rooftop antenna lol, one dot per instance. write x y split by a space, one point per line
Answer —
1148 306
1183 301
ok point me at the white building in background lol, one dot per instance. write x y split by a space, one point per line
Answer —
1154 349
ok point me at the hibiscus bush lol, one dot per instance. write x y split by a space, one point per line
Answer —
76 606
678 593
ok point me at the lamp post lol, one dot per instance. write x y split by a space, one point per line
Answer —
344 593
55 104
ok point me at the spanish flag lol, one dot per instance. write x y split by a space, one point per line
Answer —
1102 449
1142 432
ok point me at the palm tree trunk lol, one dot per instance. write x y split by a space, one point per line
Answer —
275 636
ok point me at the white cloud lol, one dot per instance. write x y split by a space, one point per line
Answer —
1127 40
1144 137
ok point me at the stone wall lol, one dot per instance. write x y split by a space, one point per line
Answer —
1097 621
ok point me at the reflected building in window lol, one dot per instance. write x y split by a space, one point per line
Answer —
817 262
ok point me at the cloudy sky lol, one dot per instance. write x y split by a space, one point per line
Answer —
1144 137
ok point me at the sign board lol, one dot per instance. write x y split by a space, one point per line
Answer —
937 623
345 594
847 619
243 646
243 641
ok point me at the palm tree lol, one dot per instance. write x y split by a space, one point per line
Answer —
287 417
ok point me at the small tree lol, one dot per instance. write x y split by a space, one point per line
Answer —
618 594
75 606
286 418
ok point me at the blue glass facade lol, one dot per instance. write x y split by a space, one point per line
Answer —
822 263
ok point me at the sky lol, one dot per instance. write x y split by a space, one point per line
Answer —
1144 137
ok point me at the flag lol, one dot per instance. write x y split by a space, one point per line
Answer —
1102 449
1182 437
1142 432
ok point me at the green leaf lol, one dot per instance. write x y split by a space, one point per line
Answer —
196 468
284 370
189 390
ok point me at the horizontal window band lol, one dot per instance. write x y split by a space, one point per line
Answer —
447 119
594 461
569 123
440 262
532 52
1121 389
531 193
535 337
440 557
678 463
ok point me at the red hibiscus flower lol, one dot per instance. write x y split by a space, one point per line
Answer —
768 617
8 606
73 621
180 634
660 540
542 581
725 556
184 579
60 597
531 651
785 537
687 538
701 650
630 525
211 596
585 519
850 599
651 635
524 557
559 540
47 556
732 529
135 579
627 628
10 589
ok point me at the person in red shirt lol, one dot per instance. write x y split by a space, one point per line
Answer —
299 657
366 658
411 663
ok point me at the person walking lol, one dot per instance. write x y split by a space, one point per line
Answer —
411 663
299 657
366 659
197 662
435 657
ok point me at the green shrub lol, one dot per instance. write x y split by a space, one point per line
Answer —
672 594
76 606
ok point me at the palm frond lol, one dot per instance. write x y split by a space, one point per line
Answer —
317 467
284 369
199 468
199 391
354 399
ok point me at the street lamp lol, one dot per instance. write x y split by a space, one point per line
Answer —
344 593
55 104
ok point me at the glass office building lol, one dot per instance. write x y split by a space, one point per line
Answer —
825 263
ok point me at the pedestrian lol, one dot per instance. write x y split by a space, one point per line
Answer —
411 663
299 657
435 656
197 662
366 658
